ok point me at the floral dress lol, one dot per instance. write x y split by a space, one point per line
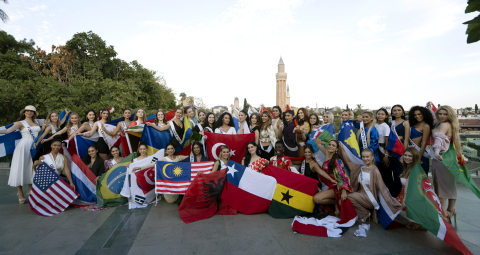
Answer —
258 164
340 175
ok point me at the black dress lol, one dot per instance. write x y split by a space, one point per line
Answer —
98 167
312 174
180 132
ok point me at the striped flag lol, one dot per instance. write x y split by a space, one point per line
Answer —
50 194
8 142
175 177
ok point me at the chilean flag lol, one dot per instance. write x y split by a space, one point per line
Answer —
395 145
84 180
248 191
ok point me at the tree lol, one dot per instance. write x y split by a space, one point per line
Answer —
473 28
183 96
347 108
245 107
476 108
201 106
3 15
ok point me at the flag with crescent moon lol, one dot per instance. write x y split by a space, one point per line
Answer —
176 177
236 143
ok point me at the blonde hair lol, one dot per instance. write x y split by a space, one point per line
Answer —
222 148
48 122
372 124
144 115
453 120
69 123
330 117
268 123
164 118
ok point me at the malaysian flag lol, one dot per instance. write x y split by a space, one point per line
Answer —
50 194
175 177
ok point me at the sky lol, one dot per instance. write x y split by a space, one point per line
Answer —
373 52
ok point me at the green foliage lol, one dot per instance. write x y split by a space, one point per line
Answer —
245 107
473 29
336 125
3 15
476 108
100 80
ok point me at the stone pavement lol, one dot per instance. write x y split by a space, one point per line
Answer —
159 230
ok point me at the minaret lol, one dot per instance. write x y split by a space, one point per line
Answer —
237 103
316 108
288 95
281 85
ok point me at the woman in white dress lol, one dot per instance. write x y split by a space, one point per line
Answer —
21 170
224 124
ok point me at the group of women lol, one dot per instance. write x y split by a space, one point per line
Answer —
281 140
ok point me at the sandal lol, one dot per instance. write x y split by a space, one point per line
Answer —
21 200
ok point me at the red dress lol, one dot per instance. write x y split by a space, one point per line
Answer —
258 164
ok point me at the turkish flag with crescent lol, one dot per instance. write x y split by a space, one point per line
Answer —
236 143
146 179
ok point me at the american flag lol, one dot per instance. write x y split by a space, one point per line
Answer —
50 194
178 184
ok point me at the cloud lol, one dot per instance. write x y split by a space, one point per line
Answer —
38 8
159 24
371 25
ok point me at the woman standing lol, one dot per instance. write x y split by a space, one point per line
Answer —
252 158
159 122
277 122
94 162
367 134
421 123
243 120
444 133
224 124
102 142
21 172
201 122
401 128
383 128
314 124
122 125
288 134
268 138
73 125
256 122
140 118
88 122
224 158
209 123
302 127
116 158
50 127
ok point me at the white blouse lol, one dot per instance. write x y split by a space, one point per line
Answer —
231 131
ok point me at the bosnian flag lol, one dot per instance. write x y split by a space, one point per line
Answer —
248 191
84 180
394 144
423 206
325 225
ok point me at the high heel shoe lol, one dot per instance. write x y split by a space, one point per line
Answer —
366 218
450 214
21 200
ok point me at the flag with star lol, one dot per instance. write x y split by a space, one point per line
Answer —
293 194
176 177
348 137
236 143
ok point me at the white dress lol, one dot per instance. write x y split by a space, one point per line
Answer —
231 131
21 171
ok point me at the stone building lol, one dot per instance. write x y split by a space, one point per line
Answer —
281 87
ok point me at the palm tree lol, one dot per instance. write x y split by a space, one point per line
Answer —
183 95
3 15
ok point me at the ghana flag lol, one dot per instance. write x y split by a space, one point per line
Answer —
293 194
110 184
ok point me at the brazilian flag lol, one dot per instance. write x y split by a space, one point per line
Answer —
293 195
110 184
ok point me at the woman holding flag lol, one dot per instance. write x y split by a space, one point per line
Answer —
224 124
209 122
401 129
289 136
122 125
313 122
101 145
252 158
73 124
268 138
243 120
222 162
50 127
159 122
421 123
88 122
197 154
21 172
367 134
444 134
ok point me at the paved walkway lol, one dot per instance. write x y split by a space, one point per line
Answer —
159 230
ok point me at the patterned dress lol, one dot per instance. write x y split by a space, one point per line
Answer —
340 175
258 164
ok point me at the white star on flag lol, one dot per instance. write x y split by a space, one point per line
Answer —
231 170
232 153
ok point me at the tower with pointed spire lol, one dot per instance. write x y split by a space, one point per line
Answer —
288 94
281 85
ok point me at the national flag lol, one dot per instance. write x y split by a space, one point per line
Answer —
293 194
170 115
8 142
325 225
133 138
235 123
247 190
327 133
62 114
458 169
236 143
35 150
84 180
155 140
395 145
185 151
79 145
385 215
423 206
110 140
187 125
138 186
110 184
203 197
266 109
175 177
50 194
349 139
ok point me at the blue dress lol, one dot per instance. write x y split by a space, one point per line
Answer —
373 140
414 133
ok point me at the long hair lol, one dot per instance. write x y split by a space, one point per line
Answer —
247 118
333 160
305 117
144 115
219 121
119 151
49 122
198 114
330 117
370 126
316 123
86 114
69 123
109 118
248 156
408 167
386 115
427 116
207 124
164 118
124 112
310 147
87 160
196 143
279 110
259 119
221 149
268 123
403 111
291 112
452 118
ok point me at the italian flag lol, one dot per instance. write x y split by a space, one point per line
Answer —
423 206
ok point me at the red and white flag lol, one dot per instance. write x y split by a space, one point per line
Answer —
236 143
50 194
176 177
